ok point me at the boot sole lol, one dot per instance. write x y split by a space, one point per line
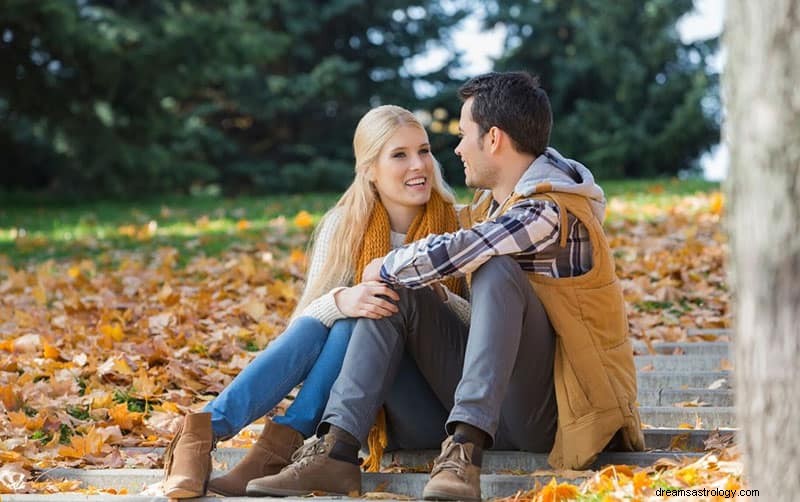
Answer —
225 493
436 495
285 492
180 493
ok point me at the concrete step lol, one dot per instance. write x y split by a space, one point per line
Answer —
670 416
709 332
681 439
409 484
686 348
671 397
684 363
650 380
402 486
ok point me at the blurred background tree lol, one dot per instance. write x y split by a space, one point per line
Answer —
130 97
125 96
629 97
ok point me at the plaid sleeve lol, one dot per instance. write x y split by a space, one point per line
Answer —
529 226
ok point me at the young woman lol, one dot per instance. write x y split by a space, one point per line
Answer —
398 196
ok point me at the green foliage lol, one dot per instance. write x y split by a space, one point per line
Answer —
629 98
128 97
205 225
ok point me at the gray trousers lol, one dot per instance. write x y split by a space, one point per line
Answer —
430 369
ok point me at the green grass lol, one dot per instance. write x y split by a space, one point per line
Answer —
33 231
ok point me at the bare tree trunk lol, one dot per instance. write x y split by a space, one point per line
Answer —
762 130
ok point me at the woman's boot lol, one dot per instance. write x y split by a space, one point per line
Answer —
187 461
271 453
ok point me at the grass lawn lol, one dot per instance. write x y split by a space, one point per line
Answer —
32 231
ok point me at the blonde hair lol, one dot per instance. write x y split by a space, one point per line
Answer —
374 129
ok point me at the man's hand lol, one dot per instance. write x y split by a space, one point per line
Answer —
368 299
372 272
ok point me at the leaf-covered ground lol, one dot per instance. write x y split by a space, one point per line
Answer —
115 320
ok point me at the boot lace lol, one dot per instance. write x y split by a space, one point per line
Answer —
306 453
454 458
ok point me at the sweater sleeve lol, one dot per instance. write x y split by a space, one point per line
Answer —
458 305
324 308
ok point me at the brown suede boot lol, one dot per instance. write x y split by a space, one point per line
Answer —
316 468
187 461
454 476
271 453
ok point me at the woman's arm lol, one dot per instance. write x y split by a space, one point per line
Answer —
323 308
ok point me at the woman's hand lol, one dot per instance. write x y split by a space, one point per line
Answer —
365 300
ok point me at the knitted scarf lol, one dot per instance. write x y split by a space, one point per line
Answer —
438 217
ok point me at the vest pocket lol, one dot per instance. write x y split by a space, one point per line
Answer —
603 312
576 398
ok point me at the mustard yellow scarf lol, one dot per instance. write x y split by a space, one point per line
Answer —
438 217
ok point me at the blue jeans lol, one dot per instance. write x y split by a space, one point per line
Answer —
307 352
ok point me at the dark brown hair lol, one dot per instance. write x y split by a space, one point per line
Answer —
513 102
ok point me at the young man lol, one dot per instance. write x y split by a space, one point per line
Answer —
545 364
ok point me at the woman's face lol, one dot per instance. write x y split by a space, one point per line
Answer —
403 172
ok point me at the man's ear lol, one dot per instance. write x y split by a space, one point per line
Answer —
496 138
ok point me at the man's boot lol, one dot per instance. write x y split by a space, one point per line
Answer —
454 476
271 453
187 461
325 465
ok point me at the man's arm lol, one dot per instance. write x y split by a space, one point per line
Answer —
529 226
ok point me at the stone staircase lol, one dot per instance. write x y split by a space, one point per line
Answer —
682 385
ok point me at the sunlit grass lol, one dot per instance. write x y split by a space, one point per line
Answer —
33 231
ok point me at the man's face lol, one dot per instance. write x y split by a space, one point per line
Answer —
472 149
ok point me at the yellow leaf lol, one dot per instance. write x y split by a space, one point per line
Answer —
90 443
121 366
281 289
303 220
688 475
103 401
684 425
113 331
242 225
145 386
255 309
74 271
717 204
298 257
50 351
126 419
168 406
557 492
9 397
40 295
640 481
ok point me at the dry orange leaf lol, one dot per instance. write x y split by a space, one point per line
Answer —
303 220
556 492
80 446
126 419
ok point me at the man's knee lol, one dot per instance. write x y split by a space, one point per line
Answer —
411 299
499 270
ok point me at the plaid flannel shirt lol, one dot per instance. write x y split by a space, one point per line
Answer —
529 232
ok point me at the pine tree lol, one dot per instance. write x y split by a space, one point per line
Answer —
629 98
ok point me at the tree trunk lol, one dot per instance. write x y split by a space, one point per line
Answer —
762 130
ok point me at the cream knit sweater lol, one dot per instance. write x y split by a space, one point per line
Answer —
324 308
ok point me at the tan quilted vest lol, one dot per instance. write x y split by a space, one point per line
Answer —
595 376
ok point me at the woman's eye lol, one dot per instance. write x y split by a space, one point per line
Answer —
425 151
399 155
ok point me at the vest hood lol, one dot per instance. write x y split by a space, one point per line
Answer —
544 175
